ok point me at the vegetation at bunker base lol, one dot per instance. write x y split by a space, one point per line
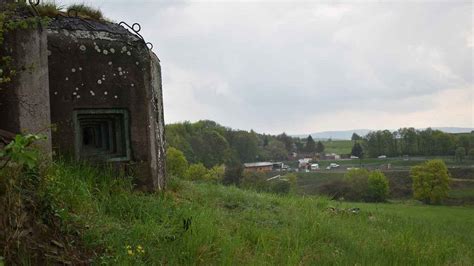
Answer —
205 223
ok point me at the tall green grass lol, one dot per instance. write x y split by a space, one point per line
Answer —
201 223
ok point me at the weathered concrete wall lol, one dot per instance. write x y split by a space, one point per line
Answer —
102 65
157 123
24 102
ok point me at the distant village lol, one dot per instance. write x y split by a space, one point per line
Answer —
300 162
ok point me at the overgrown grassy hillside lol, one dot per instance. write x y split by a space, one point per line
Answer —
204 223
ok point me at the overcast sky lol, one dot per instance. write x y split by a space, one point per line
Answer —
307 66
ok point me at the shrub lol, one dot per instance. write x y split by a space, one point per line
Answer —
357 183
254 180
430 181
377 189
216 173
279 186
293 181
335 188
176 163
196 172
233 173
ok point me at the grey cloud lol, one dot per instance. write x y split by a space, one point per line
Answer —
253 65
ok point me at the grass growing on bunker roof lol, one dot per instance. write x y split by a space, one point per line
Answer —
49 9
52 9
85 11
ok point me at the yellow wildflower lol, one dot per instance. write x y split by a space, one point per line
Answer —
140 249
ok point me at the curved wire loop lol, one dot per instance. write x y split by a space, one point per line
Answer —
150 45
34 4
136 28
72 13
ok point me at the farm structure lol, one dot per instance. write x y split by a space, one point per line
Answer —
258 167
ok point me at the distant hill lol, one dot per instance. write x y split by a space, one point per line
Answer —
347 134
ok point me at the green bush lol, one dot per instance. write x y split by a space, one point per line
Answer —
176 163
293 180
430 181
233 173
377 189
254 180
215 174
335 188
357 183
196 172
279 186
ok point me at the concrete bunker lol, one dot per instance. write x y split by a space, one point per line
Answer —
100 89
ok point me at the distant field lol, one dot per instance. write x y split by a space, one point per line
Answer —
462 185
395 163
338 146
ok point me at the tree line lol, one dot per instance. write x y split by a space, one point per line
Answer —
209 143
212 144
412 142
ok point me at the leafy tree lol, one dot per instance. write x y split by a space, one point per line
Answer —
357 150
216 173
196 172
265 141
178 135
377 187
244 144
310 144
357 182
233 172
460 153
176 163
465 141
355 137
471 154
287 140
430 181
409 141
299 145
444 143
277 150
319 147
364 185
